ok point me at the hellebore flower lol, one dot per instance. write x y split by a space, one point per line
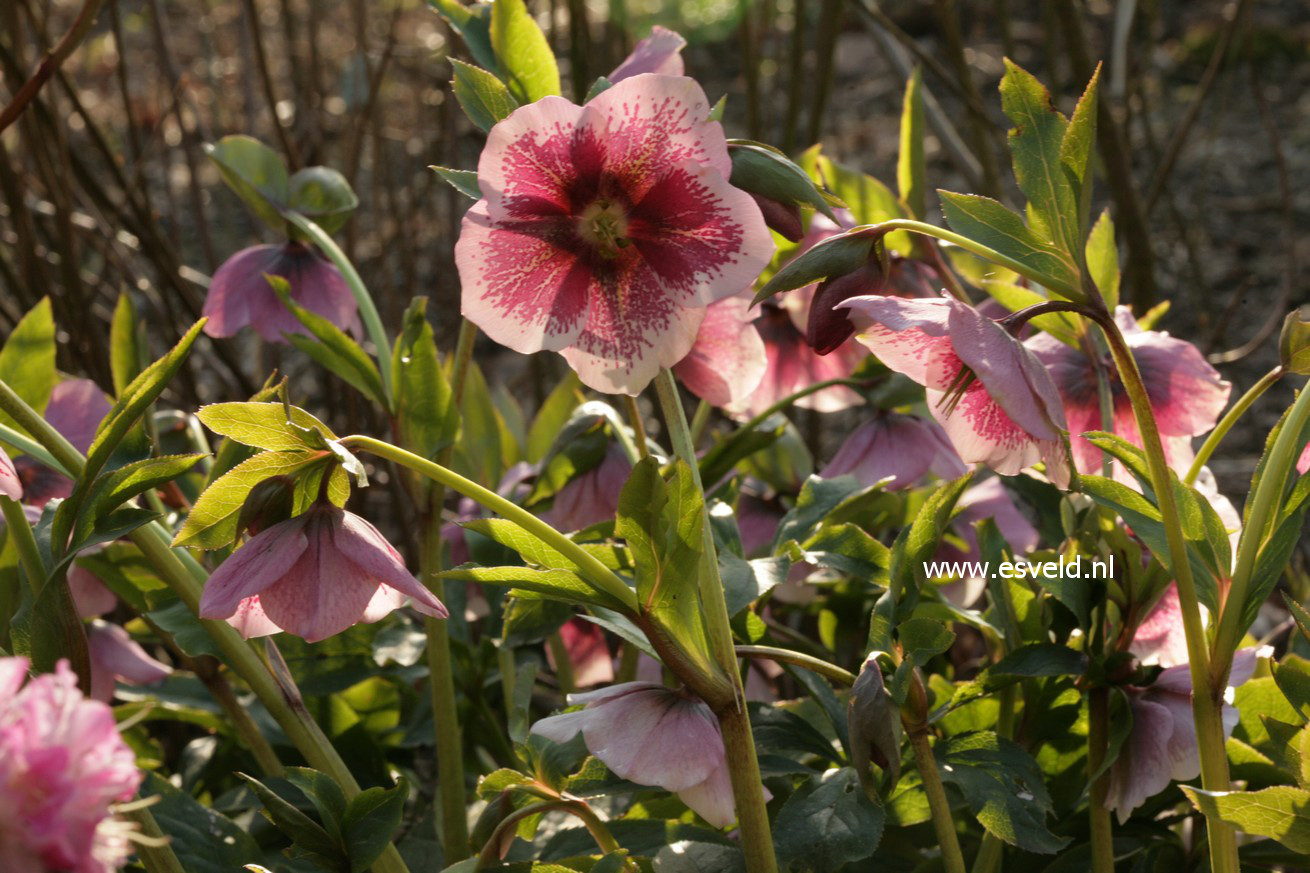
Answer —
588 653
661 53
728 359
902 447
62 767
1161 747
240 295
592 496
987 499
1303 462
995 400
1159 639
76 408
10 485
606 229
1187 394
653 735
115 655
313 576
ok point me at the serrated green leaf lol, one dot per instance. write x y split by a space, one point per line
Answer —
522 53
126 349
27 360
265 425
332 347
1281 813
828 823
369 822
463 181
307 834
1042 659
997 226
1103 259
425 411
1035 147
325 794
484 98
1076 154
212 522
1292 676
114 489
204 840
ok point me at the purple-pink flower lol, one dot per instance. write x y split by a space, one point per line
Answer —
903 448
62 767
10 485
995 400
661 53
653 735
606 229
76 408
592 496
728 359
313 576
240 295
987 499
1187 394
588 653
114 654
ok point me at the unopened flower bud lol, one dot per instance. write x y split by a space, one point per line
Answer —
1294 343
268 503
875 723
828 327
783 218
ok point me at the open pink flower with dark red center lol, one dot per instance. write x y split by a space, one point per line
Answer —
62 766
606 229
76 408
10 485
728 359
1187 394
240 295
661 53
902 447
313 576
995 400
653 735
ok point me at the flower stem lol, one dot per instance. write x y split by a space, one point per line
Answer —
1098 732
809 662
29 446
739 743
1230 418
29 556
638 426
156 855
596 573
952 857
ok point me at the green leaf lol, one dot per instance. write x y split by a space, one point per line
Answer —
1076 154
326 795
835 256
463 181
765 171
1281 813
114 489
426 416
212 522
827 823
911 167
177 620
1103 259
996 226
127 354
27 360
307 834
265 425
869 200
370 820
918 542
1042 659
1293 678
204 840
256 173
561 585
48 629
743 442
322 195
555 412
818 500
332 347
522 52
485 100
1299 614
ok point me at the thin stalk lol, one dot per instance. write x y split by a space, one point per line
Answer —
20 534
952 857
638 426
1238 409
489 857
739 744
809 662
29 446
597 573
82 25
699 419
155 852
1102 833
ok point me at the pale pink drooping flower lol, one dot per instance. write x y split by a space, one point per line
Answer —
900 447
661 52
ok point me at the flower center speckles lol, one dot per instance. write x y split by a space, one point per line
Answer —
604 225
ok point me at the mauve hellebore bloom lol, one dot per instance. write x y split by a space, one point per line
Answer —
1187 394
114 654
62 766
75 410
661 53
653 735
901 447
313 576
995 400
240 295
606 229
10 486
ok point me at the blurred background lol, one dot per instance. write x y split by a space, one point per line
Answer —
104 185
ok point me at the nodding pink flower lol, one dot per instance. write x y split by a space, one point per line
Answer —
63 766
116 656
1159 639
1303 462
653 735
903 448
1187 394
728 359
606 229
588 653
76 408
993 397
1161 746
240 295
661 53
10 485
987 499
593 496
313 576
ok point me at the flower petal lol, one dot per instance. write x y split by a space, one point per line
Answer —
588 653
712 799
790 365
1160 638
661 53
562 727
251 569
76 408
322 594
727 361
909 336
532 161
898 446
1187 394
656 737
250 620
362 544
1143 767
10 485
90 596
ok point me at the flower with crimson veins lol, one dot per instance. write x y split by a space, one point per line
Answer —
606 229
313 576
1187 394
995 400
653 735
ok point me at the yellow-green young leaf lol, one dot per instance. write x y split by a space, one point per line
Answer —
1281 813
529 547
1076 152
212 523
524 55
264 425
126 349
562 586
332 347
27 361
425 410
1035 144
911 169
1103 259
994 225
115 488
463 181
484 98
1292 676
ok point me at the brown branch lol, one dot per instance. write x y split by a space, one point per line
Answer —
51 63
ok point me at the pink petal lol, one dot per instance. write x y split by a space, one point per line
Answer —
1244 664
1303 462
1143 767
1187 394
790 365
909 336
254 567
661 52
588 653
13 671
1183 753
593 496
656 737
362 544
114 654
712 799
900 446
727 361
532 161
250 620
10 485
989 499
90 596
564 726
1160 638
76 408
982 433
322 594
240 296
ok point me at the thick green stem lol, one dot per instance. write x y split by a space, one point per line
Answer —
949 841
489 857
156 855
1267 381
20 534
739 743
1098 732
638 426
809 662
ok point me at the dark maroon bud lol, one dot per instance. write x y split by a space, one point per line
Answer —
268 503
874 722
828 327
781 217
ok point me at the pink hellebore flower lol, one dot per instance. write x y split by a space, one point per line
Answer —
313 576
1187 394
10 485
62 766
728 359
987 499
1303 462
653 735
76 408
114 654
901 447
240 295
592 496
661 53
606 229
995 400
588 653
1159 639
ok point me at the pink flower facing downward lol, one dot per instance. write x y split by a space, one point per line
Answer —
313 576
1187 394
240 295
592 496
114 654
902 447
76 408
62 766
606 229
728 359
995 400
10 485
661 52
653 735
